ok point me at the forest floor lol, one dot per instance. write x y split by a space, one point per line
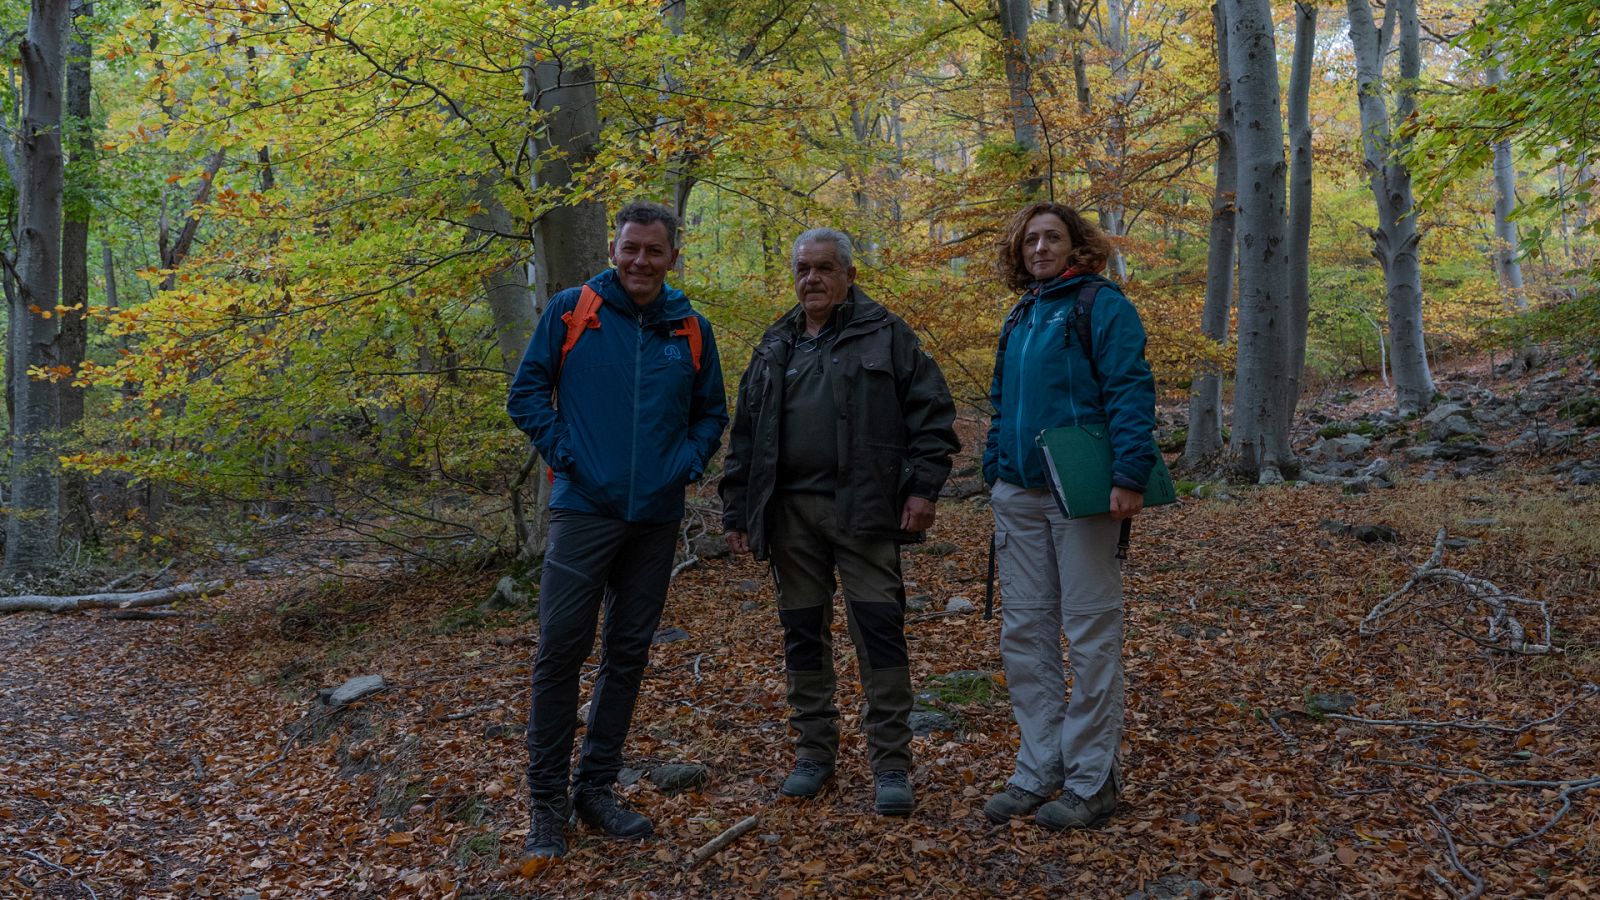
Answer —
161 758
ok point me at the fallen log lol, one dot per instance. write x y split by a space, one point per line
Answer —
133 600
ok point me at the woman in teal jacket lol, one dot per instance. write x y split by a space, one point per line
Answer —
1058 575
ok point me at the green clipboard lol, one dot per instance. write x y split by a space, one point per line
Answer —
1078 460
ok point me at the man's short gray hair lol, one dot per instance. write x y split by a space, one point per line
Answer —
842 248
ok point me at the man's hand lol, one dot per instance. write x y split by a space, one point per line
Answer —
1125 503
917 515
738 542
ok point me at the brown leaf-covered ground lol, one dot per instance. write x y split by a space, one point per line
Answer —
155 758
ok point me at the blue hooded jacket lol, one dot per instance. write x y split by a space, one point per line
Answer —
1042 379
635 422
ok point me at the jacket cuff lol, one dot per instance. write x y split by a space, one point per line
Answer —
1122 481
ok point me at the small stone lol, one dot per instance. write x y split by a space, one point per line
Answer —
1375 534
710 546
1172 887
1322 704
670 636
748 586
675 778
924 722
1480 523
501 730
918 603
771 839
628 776
749 606
355 689
958 605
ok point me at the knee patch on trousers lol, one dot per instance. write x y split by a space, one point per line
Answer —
804 646
883 633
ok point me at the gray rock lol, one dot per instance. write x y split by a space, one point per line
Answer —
710 546
1322 704
1446 410
1480 523
924 722
628 776
675 778
1172 887
958 605
502 730
1586 477
507 595
748 586
918 603
1375 534
355 689
1453 426
749 606
670 636
1345 447
1209 632
963 488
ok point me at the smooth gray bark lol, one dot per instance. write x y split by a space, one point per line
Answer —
1259 448
32 531
1015 17
510 302
1396 238
72 342
1204 439
1300 188
1507 266
569 241
1113 211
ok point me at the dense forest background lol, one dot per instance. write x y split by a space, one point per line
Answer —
304 241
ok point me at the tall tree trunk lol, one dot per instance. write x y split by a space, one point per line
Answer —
1259 449
1300 182
32 531
73 340
1113 209
510 304
569 242
1395 239
1205 399
1015 17
1507 267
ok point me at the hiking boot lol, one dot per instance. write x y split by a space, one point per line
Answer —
598 807
1072 811
807 779
545 832
894 794
1012 803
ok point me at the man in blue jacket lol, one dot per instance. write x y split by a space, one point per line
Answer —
640 414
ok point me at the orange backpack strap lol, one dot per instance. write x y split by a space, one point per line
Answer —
691 330
581 318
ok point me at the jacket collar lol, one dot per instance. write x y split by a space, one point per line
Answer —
670 306
1064 285
857 314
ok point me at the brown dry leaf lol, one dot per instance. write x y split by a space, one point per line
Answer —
400 839
1346 856
533 865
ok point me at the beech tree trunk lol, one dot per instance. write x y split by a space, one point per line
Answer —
1507 267
77 519
569 242
1205 398
1015 17
1395 239
1300 183
35 502
1259 449
115 600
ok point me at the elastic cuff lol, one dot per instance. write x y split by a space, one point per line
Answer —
1123 481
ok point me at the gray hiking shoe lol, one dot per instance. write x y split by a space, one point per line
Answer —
807 779
1072 811
546 838
598 807
894 794
1012 803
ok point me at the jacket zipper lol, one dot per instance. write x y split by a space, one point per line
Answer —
633 451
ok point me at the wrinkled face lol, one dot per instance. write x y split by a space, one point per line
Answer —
643 255
820 283
1045 246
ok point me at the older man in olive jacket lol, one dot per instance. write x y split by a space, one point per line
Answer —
841 442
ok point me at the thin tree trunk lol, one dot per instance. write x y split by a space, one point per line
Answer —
1259 448
1300 191
1506 251
569 241
1015 17
1205 399
73 340
1113 210
1395 239
35 502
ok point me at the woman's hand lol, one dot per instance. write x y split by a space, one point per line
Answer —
1125 504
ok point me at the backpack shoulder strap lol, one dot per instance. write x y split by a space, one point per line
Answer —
690 328
580 318
1010 324
1082 318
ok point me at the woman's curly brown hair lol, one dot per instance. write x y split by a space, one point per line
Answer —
1090 248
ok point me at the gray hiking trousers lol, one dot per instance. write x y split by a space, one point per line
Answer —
1060 576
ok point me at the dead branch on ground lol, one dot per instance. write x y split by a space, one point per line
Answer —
159 597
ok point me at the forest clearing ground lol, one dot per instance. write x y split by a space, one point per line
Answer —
134 751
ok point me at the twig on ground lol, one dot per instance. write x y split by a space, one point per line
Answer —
715 845
283 752
63 870
940 614
469 713
1505 631
1589 691
1291 740
1455 857
1565 791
